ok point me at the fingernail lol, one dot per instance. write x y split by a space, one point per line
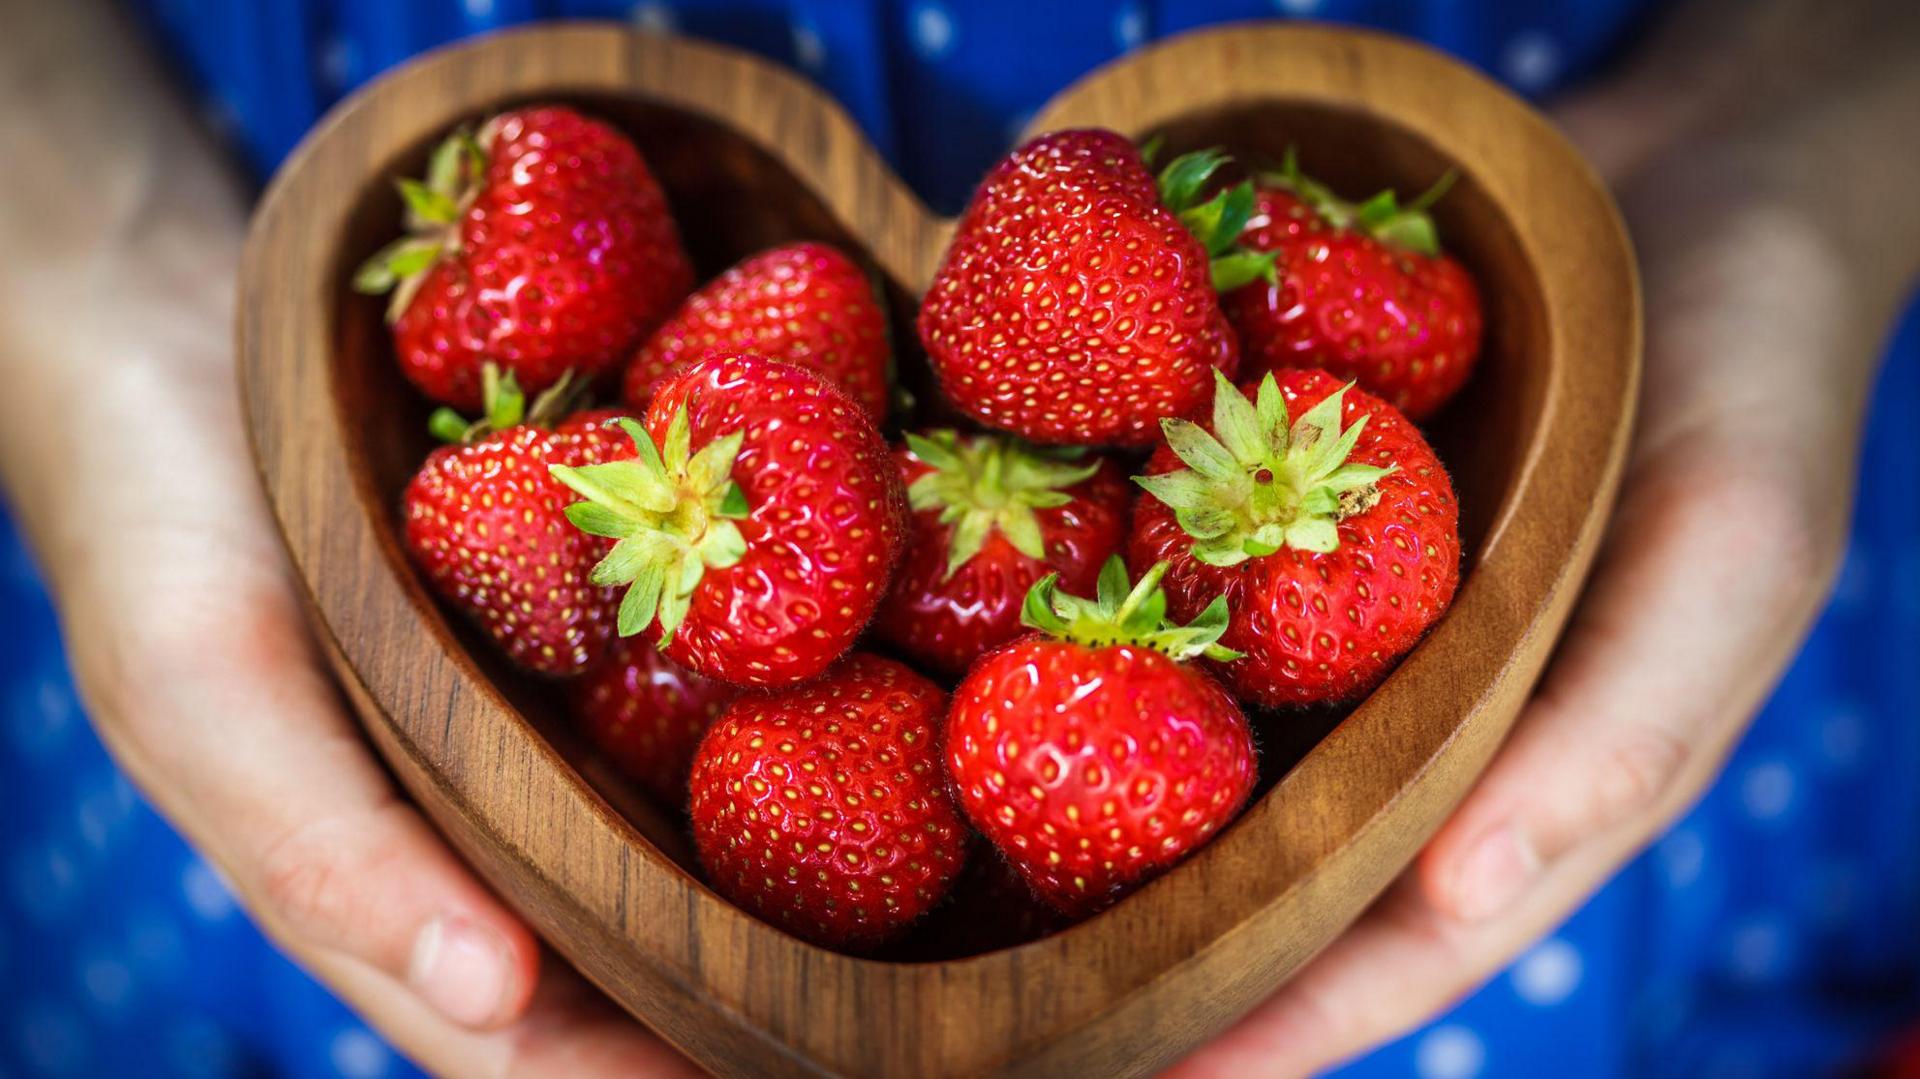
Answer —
462 969
1493 873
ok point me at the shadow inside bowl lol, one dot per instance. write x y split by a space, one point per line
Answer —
733 199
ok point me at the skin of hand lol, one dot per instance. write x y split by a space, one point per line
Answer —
124 457
1776 243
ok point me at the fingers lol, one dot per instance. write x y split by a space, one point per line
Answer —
1713 572
241 740
569 1029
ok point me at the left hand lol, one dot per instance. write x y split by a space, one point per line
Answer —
1731 522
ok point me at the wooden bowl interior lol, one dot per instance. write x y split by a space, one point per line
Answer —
732 199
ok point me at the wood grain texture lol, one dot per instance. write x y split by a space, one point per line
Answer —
752 155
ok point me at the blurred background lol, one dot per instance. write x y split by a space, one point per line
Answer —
1773 930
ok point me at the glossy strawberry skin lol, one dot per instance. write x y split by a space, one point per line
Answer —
1072 306
567 259
1093 769
1406 326
827 516
823 809
807 304
485 523
647 713
1324 628
944 623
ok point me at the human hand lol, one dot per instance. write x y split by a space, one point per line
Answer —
1762 323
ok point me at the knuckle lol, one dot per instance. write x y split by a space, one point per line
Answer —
1639 769
1779 537
306 882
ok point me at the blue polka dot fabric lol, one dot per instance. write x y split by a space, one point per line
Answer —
1770 933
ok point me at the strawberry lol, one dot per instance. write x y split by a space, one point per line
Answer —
991 517
1093 755
1074 306
807 304
757 526
823 810
486 524
647 713
541 243
1333 536
1362 292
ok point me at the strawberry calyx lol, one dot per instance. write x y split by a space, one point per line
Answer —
1408 227
986 483
504 405
671 512
1126 612
1259 482
433 210
1216 222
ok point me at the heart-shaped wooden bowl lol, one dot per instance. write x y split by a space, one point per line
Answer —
752 155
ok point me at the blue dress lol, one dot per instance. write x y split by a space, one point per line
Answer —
1771 932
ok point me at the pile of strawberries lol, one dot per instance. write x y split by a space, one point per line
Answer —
845 654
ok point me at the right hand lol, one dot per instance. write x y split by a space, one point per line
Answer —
191 651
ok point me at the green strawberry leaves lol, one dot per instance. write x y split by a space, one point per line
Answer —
1125 612
1258 482
671 511
1218 221
433 210
1408 227
983 484
504 405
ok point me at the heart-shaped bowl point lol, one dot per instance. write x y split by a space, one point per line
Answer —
751 156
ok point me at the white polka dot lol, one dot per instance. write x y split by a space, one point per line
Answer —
44 878
1766 790
207 895
1449 1052
1843 736
41 712
1854 588
1756 949
1129 26
155 946
480 9
654 17
1297 7
339 63
102 813
108 981
1548 974
52 1039
1682 854
932 29
357 1054
1531 60
808 49
200 1049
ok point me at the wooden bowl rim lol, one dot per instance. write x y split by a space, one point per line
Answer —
1585 419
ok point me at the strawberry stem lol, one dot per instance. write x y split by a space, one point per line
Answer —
1408 227
1218 221
672 513
990 483
1258 482
1126 613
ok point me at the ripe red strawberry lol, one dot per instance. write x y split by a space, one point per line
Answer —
1092 755
991 517
647 713
541 243
757 527
823 809
1362 292
486 524
1073 305
807 304
1334 537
